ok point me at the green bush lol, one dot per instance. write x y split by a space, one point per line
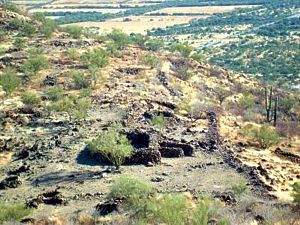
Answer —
119 38
184 73
238 188
296 192
266 136
73 54
139 39
34 64
151 60
13 212
171 209
39 16
30 99
48 27
113 50
9 80
95 60
159 121
198 57
183 49
16 24
154 44
80 80
81 108
19 43
28 30
54 93
76 108
134 191
246 101
113 146
74 31
11 7
3 35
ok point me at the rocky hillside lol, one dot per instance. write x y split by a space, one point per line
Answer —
193 127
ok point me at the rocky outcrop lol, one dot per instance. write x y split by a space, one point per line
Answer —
48 198
145 156
10 182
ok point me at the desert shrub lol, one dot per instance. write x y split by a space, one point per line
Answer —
238 188
184 73
287 105
246 101
28 30
11 7
139 40
16 24
73 54
74 31
30 99
151 60
134 191
215 72
159 121
95 60
288 128
33 52
85 92
205 210
222 93
154 44
13 212
80 80
198 57
147 207
183 49
48 27
81 108
9 80
34 65
265 136
111 145
113 50
3 35
253 115
39 16
171 209
76 108
296 192
19 43
54 93
119 38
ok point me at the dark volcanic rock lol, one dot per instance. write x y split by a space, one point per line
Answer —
48 198
10 182
226 197
129 70
188 149
170 152
139 139
145 156
293 157
108 207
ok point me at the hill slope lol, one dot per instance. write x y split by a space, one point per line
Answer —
190 124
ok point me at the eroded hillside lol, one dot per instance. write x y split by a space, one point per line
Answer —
189 123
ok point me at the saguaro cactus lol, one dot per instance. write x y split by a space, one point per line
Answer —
268 102
276 110
272 112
